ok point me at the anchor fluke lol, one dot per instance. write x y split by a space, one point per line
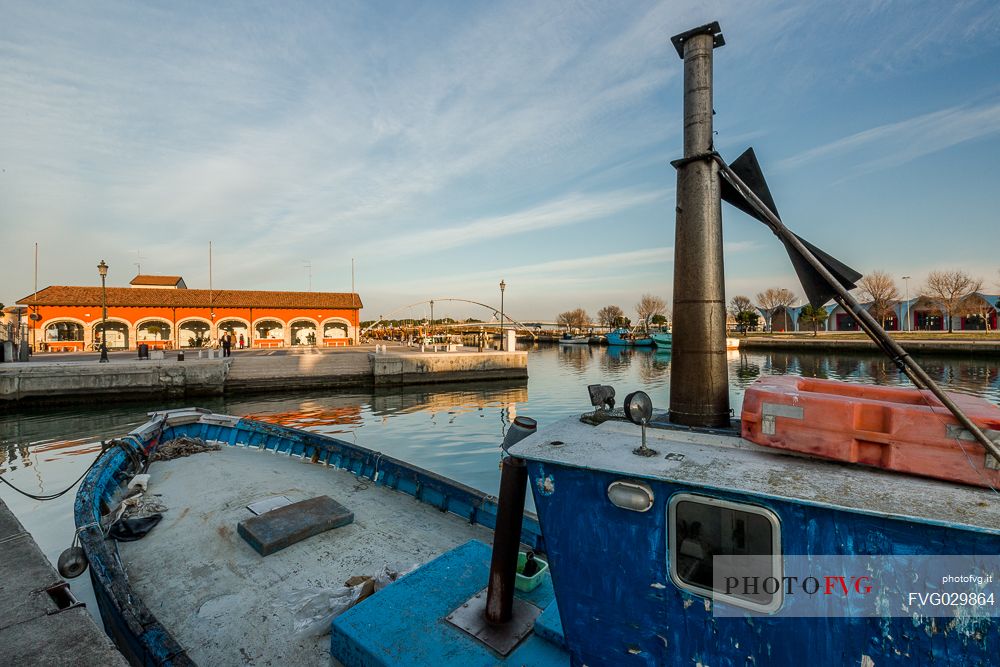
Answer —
817 289
749 171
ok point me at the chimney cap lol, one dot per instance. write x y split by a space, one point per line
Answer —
707 29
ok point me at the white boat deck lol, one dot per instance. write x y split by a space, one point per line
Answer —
221 600
726 462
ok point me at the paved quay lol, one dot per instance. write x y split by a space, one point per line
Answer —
77 377
35 627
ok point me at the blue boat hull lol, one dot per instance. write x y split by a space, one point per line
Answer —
602 555
620 338
662 340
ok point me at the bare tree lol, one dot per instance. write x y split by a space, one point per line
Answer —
573 319
739 304
742 310
773 298
610 316
951 289
879 288
648 307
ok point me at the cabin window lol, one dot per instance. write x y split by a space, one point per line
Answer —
701 528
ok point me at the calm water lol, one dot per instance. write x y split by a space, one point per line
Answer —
453 431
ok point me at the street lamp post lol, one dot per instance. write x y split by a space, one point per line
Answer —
906 281
503 328
102 268
430 328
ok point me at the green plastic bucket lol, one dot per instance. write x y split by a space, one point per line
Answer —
523 583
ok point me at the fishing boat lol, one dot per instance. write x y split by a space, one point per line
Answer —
662 338
628 337
570 339
662 537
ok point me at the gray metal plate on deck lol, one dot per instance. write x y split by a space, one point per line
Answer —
268 504
471 618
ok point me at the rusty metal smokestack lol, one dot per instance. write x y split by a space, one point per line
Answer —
699 380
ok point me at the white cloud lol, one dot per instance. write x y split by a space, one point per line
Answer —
569 210
896 143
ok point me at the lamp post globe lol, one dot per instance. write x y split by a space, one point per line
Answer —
102 269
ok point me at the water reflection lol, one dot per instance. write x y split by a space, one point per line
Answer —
312 414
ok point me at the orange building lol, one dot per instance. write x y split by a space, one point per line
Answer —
161 312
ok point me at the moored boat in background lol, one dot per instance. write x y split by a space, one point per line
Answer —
623 336
570 339
662 338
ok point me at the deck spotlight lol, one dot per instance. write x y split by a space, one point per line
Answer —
602 396
639 410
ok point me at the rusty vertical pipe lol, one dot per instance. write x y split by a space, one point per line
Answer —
699 379
506 540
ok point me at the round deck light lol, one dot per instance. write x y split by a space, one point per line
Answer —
638 407
639 410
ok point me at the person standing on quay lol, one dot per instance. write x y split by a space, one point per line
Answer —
227 343
241 341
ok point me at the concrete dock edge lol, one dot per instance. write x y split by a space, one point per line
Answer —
34 630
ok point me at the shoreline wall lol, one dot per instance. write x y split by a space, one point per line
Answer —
824 344
45 383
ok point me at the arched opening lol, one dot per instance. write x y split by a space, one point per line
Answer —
927 315
303 332
63 337
239 331
978 314
336 332
845 322
193 333
116 333
63 332
781 320
155 333
269 333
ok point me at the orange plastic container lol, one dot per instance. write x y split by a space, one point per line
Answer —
905 430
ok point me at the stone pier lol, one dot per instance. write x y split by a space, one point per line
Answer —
401 368
73 381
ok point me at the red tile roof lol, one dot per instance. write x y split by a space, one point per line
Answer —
143 279
59 295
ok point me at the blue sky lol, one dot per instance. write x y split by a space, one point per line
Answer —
448 145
